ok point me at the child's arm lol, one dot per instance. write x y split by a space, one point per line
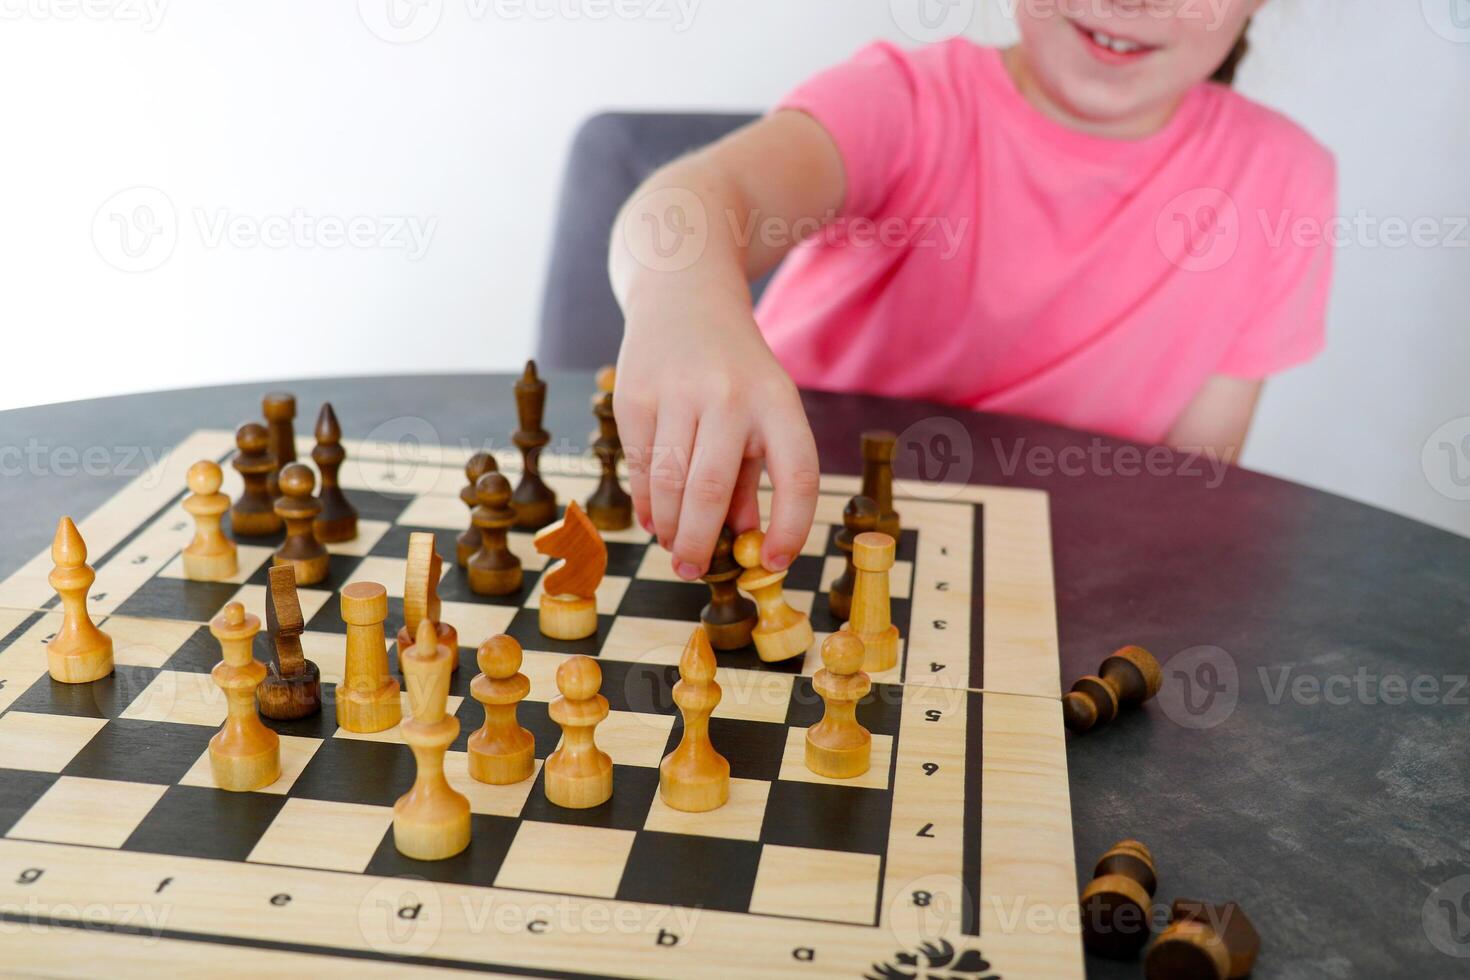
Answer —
1218 417
700 399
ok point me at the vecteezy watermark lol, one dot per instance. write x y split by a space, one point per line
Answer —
147 14
929 21
667 229
145 919
1450 19
402 916
1363 686
939 451
1446 917
45 460
1445 459
941 233
407 21
1101 458
137 230
1199 230
1201 687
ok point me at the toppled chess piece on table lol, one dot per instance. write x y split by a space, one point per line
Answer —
781 632
838 746
211 556
244 755
1125 680
695 777
1203 942
1115 904
79 652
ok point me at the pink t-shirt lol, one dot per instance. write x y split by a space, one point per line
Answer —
989 257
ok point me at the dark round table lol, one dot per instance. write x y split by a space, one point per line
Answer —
1312 760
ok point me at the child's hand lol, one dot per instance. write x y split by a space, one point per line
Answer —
700 403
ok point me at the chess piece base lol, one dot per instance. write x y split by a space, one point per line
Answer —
696 794
783 641
466 545
501 765
730 636
211 568
494 581
880 650
840 604
442 831
309 571
289 698
610 508
578 792
254 523
1188 949
244 773
568 617
335 530
445 636
841 761
369 711
533 513
889 525
72 662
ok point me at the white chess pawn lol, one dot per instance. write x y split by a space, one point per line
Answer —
211 556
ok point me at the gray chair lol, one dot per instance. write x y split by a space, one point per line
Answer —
581 325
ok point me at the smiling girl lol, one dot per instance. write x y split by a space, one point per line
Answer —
1078 229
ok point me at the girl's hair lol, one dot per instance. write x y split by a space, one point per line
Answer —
1225 74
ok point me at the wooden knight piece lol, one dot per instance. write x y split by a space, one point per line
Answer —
569 588
293 685
421 596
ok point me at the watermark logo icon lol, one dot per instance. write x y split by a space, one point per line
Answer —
1201 687
1450 19
402 916
136 229
667 229
401 21
940 453
1446 917
929 21
1445 459
1199 230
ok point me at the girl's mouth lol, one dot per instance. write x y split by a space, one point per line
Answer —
1112 49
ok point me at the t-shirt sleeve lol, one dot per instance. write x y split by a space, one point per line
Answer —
867 105
1289 323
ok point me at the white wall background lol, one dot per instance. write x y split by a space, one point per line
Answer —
243 136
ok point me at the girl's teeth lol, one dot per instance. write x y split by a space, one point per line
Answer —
1115 43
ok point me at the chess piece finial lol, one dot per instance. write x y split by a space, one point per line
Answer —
279 409
431 821
607 377
569 588
872 557
493 569
211 556
860 515
1115 903
729 618
338 518
695 777
534 501
501 752
298 509
79 652
244 755
468 541
293 684
1203 941
421 595
367 697
838 747
1126 679
578 774
781 632
878 449
254 514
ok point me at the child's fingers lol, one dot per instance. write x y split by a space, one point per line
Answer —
668 470
791 459
745 509
635 430
712 473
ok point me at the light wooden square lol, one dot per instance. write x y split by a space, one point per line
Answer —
16 680
500 801
815 544
252 597
793 763
572 860
146 642
753 695
633 738
97 812
813 884
44 743
296 752
522 544
321 834
443 512
540 669
395 734
249 559
328 651
387 571
609 594
739 819
28 652
181 697
369 533
646 640
409 475
476 622
10 619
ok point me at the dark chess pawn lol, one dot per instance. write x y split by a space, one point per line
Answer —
1115 904
468 541
609 507
729 617
493 569
1203 942
338 519
858 517
298 508
1125 680
254 513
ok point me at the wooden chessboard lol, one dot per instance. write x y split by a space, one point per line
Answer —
118 853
